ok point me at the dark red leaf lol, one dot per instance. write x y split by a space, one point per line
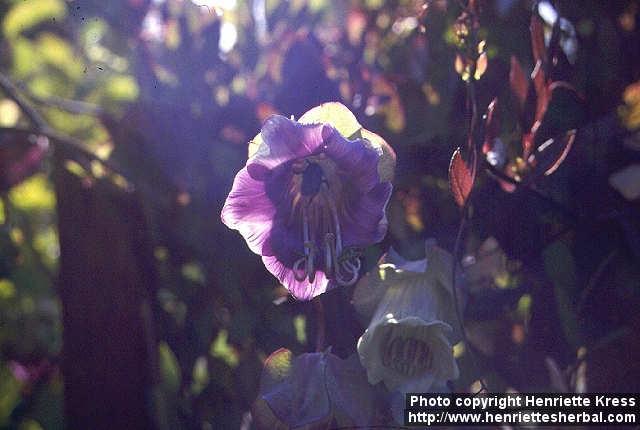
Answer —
21 155
537 39
492 125
518 81
552 153
460 178
543 94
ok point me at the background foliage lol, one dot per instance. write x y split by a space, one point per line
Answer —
152 103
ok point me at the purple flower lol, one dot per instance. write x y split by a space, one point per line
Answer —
307 201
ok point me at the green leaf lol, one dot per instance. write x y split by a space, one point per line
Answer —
221 349
58 53
122 88
33 194
24 15
169 368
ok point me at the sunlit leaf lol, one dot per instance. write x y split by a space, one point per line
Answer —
221 349
34 194
460 178
169 368
387 163
278 365
481 66
392 109
7 289
630 112
57 52
47 244
24 59
356 23
9 394
627 181
122 88
336 114
9 113
200 375
193 272
26 14
300 324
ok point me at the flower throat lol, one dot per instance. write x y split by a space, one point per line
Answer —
321 233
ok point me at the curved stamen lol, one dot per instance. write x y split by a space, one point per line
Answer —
329 255
346 282
334 214
305 229
306 262
296 269
350 265
322 214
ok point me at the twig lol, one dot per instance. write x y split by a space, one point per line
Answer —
473 106
456 253
72 106
12 91
42 128
70 144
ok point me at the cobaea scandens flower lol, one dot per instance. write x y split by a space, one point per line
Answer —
408 343
313 193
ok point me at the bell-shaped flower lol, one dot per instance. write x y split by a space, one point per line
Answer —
309 198
408 343
313 391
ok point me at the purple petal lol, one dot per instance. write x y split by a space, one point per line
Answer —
249 210
301 290
286 140
349 391
357 162
363 219
365 198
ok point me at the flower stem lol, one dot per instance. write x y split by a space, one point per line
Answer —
456 256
